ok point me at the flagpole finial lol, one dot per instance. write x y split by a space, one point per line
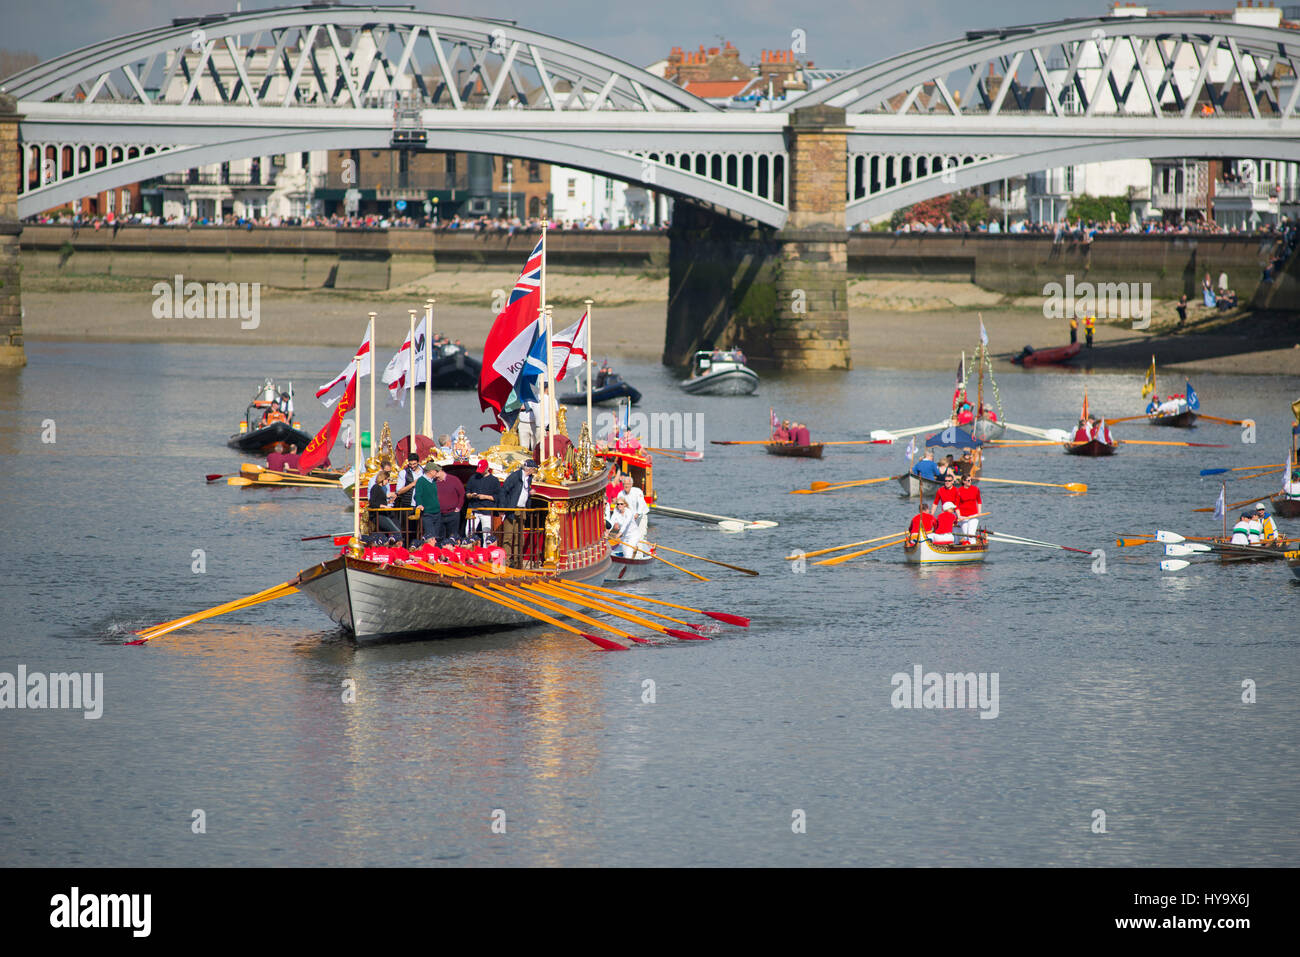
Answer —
372 314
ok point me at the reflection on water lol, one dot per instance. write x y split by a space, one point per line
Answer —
1118 691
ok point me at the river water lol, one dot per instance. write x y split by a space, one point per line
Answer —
1118 691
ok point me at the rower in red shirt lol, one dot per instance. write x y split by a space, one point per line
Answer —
948 493
943 525
922 521
968 506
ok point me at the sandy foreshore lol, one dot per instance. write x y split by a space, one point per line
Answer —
916 325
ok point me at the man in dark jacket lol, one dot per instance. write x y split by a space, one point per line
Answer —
481 494
515 492
381 497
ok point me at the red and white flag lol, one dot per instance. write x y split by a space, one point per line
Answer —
399 367
333 390
568 344
506 350
318 449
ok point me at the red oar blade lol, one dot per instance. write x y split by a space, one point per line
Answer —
738 620
685 635
605 643
639 640
138 641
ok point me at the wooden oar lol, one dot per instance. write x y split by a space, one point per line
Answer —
739 621
1130 542
316 538
819 486
737 568
1241 468
666 562
240 480
742 442
1127 418
1244 501
844 558
706 517
840 548
155 631
601 605
1194 445
1078 487
213 476
483 593
1017 540
515 590
267 475
558 586
1215 418
859 442
1254 475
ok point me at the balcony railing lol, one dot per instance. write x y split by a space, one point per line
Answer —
192 178
384 181
1246 190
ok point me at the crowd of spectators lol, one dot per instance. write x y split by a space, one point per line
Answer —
480 224
1081 231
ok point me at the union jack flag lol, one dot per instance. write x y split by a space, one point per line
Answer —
506 349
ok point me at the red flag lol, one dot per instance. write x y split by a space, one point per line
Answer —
318 449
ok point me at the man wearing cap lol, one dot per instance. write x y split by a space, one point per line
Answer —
515 491
944 524
625 528
1267 529
1242 531
405 484
481 493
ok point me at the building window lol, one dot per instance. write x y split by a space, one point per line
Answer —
534 207
534 173
1069 179
609 191
573 188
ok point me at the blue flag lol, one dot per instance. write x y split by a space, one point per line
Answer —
1193 402
534 368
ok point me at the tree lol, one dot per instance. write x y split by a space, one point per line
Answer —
1097 209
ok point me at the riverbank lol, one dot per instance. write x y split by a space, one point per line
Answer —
894 324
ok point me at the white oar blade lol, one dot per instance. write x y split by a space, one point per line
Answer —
1173 565
730 526
1028 430
762 523
694 456
881 435
1058 435
1189 549
1169 538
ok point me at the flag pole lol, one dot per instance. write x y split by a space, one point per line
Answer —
1223 497
428 366
410 383
550 387
356 455
590 430
373 345
547 445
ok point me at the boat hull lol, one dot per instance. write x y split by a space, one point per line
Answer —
790 450
376 602
1093 448
260 441
1177 420
737 380
606 394
630 568
1057 355
926 552
1229 553
914 486
455 370
1285 506
1293 563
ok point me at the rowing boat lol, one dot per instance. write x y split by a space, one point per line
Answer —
913 485
1182 418
1056 355
927 552
560 536
1229 553
1293 562
1285 506
1092 447
791 450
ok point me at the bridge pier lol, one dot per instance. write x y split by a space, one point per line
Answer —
781 295
12 354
